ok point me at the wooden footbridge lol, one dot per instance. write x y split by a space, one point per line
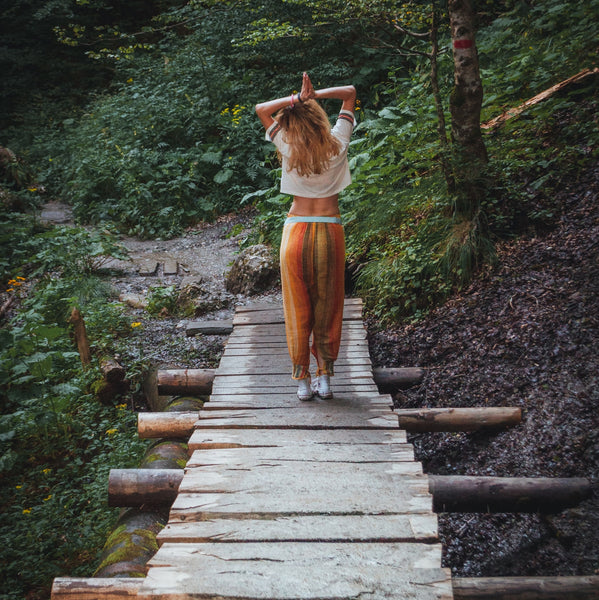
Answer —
283 499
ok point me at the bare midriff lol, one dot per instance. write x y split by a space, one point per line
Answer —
315 207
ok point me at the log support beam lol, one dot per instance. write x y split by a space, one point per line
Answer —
135 487
526 588
178 425
199 381
506 494
457 419
138 487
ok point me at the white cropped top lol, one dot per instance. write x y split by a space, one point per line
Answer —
336 178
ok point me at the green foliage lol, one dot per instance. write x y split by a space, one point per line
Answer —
163 300
57 442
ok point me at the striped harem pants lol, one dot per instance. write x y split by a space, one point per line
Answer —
312 279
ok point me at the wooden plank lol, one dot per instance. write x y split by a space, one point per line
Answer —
228 363
279 375
275 315
280 350
107 588
346 453
298 570
352 328
309 415
251 438
171 267
224 327
317 528
257 306
288 401
301 489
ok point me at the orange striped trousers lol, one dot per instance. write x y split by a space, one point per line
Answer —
312 278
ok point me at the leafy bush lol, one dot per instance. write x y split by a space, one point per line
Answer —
57 441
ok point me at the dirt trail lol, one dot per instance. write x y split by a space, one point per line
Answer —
200 257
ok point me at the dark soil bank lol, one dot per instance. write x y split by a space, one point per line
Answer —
524 334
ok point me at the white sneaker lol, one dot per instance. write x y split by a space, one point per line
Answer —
322 387
304 390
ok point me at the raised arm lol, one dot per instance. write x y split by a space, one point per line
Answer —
345 93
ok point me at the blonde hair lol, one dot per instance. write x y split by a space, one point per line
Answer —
307 131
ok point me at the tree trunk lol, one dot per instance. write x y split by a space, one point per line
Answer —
506 494
441 128
470 154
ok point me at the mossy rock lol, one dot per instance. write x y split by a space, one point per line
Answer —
186 404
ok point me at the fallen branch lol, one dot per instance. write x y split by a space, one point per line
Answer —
514 112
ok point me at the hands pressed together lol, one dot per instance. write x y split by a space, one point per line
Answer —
307 92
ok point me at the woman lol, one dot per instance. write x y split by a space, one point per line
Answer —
315 170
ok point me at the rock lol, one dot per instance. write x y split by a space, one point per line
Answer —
196 299
254 271
134 300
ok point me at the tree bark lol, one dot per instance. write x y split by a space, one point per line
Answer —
506 494
526 588
441 127
457 419
470 154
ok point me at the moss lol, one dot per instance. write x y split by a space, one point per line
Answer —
128 546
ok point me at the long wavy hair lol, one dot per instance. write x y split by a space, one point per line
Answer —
306 129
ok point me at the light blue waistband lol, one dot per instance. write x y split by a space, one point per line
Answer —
298 219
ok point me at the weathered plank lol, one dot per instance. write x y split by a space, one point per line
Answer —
275 315
287 401
107 588
251 438
224 327
346 453
296 488
318 415
299 570
298 528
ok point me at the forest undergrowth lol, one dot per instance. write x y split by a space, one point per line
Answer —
522 334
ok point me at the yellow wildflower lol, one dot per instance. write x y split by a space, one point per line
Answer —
46 471
48 498
136 324
26 511
111 431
